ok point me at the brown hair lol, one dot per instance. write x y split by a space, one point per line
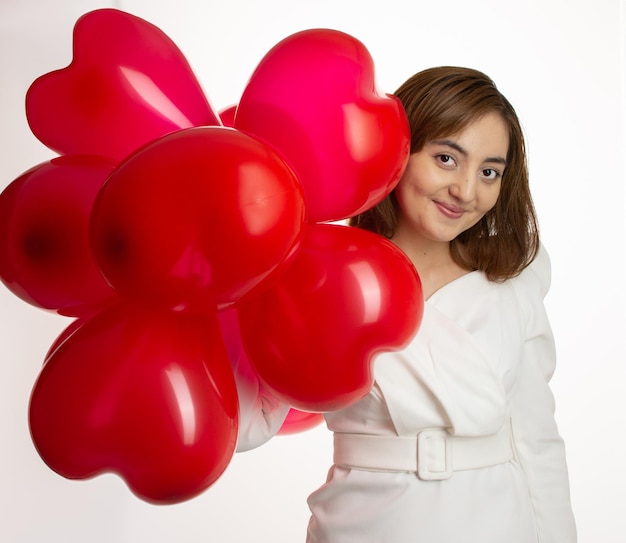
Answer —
441 102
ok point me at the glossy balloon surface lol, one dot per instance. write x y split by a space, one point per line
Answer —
197 219
45 254
348 295
227 115
313 97
299 421
147 395
127 85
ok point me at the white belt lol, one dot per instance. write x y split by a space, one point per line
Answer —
432 454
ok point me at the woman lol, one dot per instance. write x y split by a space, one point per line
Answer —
457 439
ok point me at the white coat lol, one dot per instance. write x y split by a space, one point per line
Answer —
481 360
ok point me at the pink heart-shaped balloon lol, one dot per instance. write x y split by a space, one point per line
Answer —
299 421
127 84
313 97
147 395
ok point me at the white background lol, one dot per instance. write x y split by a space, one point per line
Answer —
560 62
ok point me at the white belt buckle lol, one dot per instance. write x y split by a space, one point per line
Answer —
434 455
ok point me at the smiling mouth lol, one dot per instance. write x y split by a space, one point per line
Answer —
450 210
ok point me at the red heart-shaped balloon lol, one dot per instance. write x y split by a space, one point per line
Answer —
127 84
45 254
347 295
314 98
147 395
197 218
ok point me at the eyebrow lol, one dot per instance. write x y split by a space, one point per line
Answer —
454 145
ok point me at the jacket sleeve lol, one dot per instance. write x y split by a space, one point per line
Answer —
539 447
261 413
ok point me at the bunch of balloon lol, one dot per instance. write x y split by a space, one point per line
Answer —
156 218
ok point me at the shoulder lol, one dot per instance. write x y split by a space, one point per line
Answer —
473 298
530 289
536 277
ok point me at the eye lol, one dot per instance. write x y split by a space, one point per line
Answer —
490 174
446 160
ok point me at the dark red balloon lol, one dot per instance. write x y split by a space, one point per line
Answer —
348 295
45 254
197 218
147 395
127 85
313 96
227 115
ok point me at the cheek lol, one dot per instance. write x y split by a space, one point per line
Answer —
408 197
410 187
488 199
400 192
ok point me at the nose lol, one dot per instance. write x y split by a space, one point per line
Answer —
463 188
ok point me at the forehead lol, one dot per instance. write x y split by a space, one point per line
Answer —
489 133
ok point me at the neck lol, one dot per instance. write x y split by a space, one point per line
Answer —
425 254
432 260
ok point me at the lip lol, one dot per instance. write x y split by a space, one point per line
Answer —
450 210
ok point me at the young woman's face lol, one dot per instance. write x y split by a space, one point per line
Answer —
452 182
